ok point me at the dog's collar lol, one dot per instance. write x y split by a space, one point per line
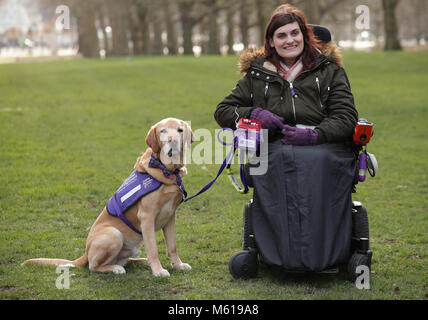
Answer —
156 163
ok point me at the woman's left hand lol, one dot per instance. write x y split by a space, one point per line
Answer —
298 136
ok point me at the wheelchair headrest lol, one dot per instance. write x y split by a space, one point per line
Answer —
322 33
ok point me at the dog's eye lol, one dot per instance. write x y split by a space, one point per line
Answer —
163 131
180 130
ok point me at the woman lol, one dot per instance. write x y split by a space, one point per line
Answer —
314 92
296 86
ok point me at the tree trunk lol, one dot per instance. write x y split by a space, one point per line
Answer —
157 45
261 23
213 44
185 9
312 11
87 33
117 11
243 24
143 25
170 28
390 24
230 30
134 28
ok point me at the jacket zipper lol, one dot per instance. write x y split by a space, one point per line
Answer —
291 85
292 100
319 92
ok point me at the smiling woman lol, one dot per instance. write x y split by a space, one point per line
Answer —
288 43
289 38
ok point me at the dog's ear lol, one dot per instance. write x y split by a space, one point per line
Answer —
189 137
152 140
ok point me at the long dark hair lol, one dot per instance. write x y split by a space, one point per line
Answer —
283 15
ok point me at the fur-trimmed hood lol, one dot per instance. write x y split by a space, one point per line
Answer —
330 50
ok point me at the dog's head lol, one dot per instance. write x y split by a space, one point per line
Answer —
169 139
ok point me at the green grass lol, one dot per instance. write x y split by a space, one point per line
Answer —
71 131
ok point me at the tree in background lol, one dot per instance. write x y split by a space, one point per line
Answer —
390 24
118 13
87 33
85 14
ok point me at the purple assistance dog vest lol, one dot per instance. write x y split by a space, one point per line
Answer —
133 188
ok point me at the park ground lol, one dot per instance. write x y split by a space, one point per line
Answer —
70 132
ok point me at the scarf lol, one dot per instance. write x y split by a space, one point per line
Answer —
290 74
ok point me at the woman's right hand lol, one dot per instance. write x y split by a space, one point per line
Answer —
269 120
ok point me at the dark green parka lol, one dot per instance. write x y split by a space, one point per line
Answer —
322 98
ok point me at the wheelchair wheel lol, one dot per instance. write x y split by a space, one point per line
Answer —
358 259
360 227
244 264
360 221
248 240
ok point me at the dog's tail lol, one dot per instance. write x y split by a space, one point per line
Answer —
79 262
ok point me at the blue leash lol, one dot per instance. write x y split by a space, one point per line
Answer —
226 164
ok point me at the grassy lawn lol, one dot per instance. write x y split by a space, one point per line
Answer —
70 133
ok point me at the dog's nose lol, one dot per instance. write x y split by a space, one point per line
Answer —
173 143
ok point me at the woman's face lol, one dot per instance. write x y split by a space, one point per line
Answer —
288 42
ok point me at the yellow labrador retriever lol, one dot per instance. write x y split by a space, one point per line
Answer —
111 244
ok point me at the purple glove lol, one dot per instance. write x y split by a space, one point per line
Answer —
298 136
268 119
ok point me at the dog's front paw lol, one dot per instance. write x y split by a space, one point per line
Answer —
182 266
118 270
162 273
